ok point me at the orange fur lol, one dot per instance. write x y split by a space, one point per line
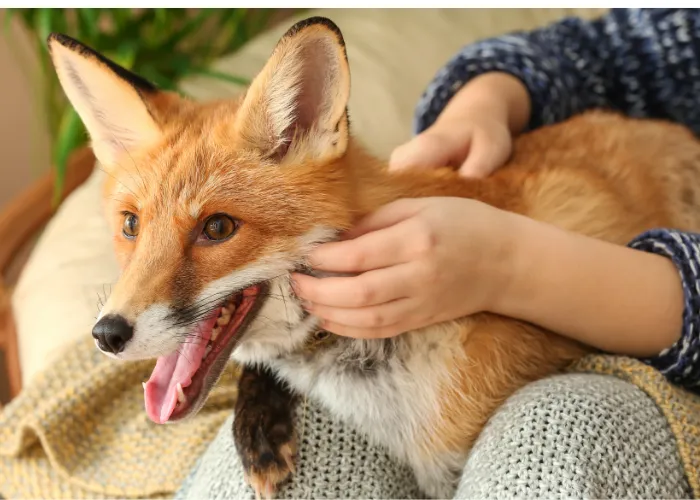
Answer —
599 174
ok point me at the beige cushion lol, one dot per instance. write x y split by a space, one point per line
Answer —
393 54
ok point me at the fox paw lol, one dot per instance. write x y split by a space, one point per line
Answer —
263 431
267 470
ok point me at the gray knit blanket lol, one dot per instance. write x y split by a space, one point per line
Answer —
568 436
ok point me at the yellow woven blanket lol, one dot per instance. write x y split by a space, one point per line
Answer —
80 431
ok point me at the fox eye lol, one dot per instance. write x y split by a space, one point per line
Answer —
219 227
130 227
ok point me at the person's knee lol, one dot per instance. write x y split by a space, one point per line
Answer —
575 435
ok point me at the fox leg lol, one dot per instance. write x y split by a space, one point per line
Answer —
263 429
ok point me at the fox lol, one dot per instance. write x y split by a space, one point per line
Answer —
212 205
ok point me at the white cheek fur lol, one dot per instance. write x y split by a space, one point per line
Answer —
278 326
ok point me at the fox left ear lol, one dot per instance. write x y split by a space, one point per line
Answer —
298 102
110 100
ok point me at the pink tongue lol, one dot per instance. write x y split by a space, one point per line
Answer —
160 392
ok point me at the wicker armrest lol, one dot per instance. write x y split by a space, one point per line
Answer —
33 208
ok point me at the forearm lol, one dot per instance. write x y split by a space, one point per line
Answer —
608 296
500 94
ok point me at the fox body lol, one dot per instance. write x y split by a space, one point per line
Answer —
213 205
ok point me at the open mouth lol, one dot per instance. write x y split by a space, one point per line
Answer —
181 381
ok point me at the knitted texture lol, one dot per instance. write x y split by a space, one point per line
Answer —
642 62
680 363
576 436
568 436
680 407
79 430
334 461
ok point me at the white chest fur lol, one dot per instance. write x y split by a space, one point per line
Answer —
389 390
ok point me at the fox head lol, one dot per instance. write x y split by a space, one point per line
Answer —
212 205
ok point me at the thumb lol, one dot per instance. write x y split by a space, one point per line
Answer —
423 151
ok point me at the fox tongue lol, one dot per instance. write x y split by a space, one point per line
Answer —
160 392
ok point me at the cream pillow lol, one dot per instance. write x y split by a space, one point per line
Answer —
393 53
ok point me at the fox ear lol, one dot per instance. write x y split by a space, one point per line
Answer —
108 98
298 102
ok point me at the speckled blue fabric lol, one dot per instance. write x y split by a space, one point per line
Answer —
642 62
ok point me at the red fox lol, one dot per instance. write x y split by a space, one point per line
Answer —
213 205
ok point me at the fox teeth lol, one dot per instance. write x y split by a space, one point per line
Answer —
207 350
223 319
180 393
215 333
228 308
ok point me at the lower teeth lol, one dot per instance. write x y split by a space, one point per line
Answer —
215 333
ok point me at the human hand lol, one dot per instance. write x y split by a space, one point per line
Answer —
421 262
477 143
474 132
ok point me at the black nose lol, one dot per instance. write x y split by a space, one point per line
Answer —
112 333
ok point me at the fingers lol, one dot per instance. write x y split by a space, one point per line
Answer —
418 152
485 156
372 317
379 240
367 289
373 250
388 215
426 150
356 332
477 151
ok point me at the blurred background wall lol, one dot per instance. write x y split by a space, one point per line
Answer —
24 150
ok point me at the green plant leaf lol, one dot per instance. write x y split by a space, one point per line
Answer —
89 19
162 45
70 136
219 75
189 28
44 23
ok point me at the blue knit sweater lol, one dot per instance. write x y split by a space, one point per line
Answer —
642 62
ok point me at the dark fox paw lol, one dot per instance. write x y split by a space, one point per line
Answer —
263 430
267 470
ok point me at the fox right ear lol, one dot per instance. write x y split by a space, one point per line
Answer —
297 105
108 98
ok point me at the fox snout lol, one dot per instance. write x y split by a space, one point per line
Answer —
112 333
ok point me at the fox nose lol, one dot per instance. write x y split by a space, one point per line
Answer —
112 333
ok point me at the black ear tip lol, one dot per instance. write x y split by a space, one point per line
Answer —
64 40
53 38
87 52
317 21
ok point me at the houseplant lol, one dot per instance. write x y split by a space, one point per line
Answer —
162 45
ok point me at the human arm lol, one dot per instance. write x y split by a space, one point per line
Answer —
637 61
641 62
612 297
422 262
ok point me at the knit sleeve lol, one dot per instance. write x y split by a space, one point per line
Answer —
680 363
642 62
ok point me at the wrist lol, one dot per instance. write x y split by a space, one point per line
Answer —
515 265
504 263
498 95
